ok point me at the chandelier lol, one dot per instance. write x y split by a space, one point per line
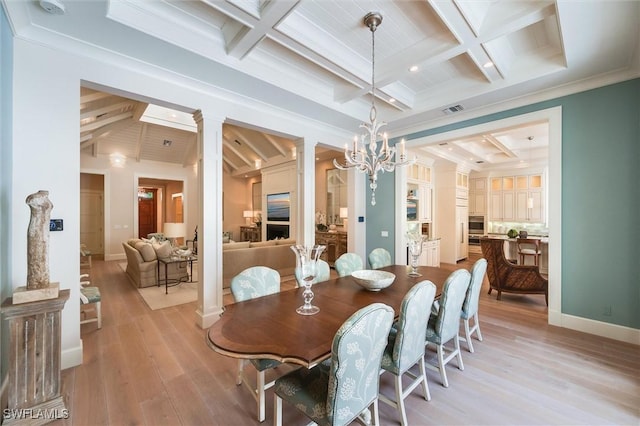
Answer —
373 161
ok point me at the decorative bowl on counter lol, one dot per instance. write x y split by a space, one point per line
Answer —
372 279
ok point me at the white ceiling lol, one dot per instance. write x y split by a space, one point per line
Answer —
314 57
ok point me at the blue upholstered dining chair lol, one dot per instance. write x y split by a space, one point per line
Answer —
379 258
445 326
339 389
347 263
405 347
256 281
470 304
323 273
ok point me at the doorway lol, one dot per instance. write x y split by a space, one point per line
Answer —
92 213
159 201
147 211
553 116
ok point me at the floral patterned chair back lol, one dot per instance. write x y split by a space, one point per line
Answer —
445 326
256 281
339 389
355 362
470 304
347 263
379 258
405 347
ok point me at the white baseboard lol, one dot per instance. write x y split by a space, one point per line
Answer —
207 320
599 328
71 357
119 256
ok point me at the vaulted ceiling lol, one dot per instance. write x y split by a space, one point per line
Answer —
436 61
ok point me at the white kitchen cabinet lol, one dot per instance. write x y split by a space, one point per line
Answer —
420 192
478 196
430 253
425 207
529 206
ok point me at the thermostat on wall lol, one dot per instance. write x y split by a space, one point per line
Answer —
55 225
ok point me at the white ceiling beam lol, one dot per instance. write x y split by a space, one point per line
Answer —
250 36
93 97
231 148
140 142
87 113
275 144
226 160
104 131
500 146
248 143
103 122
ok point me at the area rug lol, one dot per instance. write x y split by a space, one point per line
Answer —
156 298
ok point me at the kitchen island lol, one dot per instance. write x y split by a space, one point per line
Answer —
511 251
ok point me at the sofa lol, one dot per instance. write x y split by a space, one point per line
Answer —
276 254
142 262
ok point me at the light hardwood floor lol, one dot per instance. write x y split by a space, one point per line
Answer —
154 368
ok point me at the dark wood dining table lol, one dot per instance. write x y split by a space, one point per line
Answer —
269 327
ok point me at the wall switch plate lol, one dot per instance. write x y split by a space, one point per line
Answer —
360 219
55 225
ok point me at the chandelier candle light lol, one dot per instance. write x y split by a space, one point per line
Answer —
373 161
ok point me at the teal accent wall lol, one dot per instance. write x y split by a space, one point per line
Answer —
6 289
381 217
600 200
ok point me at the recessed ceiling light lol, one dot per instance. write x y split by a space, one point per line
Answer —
488 64
413 68
392 100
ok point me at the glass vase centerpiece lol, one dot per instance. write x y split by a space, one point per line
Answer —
306 263
414 241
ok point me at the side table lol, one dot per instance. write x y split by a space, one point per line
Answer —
170 282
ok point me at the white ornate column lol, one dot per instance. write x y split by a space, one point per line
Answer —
209 140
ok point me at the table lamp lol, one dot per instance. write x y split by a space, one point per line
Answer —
174 230
248 215
344 213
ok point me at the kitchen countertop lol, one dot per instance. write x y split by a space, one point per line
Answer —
543 239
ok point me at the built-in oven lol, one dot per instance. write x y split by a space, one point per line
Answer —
476 229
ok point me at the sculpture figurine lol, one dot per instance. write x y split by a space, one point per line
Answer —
38 240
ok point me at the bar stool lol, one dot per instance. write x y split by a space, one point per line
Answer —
529 247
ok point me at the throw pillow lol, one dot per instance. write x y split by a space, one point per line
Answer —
163 249
146 251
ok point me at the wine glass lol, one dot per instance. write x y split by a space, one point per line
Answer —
307 259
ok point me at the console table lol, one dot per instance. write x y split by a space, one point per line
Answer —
336 243
250 233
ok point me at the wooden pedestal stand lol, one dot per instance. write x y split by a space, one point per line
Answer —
34 361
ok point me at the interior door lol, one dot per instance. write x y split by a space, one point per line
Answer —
147 208
91 220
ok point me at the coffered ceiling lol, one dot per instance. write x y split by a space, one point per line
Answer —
313 58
